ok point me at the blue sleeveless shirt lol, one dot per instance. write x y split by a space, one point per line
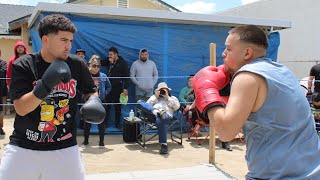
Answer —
281 139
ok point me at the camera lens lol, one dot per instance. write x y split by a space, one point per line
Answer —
162 92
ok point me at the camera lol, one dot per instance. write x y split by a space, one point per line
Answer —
162 92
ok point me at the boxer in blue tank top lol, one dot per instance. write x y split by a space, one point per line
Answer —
266 101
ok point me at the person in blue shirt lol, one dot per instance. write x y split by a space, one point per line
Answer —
104 87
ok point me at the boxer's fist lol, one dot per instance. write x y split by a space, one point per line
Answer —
57 72
206 84
93 111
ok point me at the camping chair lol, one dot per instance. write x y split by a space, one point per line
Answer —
148 126
192 131
204 126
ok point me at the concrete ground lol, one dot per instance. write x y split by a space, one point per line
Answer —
120 157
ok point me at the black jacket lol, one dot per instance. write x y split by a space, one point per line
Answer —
119 69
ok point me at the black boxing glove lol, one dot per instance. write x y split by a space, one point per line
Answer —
93 111
58 71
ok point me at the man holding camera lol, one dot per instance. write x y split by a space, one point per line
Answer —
160 108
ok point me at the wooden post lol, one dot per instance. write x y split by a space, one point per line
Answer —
212 139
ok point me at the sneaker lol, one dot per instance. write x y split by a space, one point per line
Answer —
164 149
226 146
101 144
84 144
2 132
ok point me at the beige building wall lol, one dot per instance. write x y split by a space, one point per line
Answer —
25 36
142 4
145 4
6 46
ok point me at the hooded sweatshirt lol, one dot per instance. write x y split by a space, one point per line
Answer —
8 76
144 75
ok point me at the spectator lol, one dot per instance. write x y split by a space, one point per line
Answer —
118 68
314 74
160 108
20 49
3 92
44 92
183 96
81 53
144 75
266 103
104 87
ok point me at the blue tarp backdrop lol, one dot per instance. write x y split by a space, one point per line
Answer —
177 49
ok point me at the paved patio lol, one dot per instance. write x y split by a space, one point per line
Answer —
202 172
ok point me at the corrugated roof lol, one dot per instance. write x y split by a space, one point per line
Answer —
11 12
154 15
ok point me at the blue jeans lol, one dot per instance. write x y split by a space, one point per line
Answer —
147 108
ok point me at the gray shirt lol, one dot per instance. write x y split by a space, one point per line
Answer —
144 75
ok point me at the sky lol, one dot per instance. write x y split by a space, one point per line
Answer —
191 6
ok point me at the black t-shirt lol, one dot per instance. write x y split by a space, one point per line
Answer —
52 124
315 71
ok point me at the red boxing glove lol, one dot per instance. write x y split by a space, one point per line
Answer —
207 83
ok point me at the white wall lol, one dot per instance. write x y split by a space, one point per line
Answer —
299 46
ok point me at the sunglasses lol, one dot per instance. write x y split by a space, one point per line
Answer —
96 66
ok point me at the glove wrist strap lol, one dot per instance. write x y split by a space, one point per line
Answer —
40 90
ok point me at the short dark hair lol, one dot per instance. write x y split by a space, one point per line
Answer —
190 76
144 50
54 23
251 34
114 50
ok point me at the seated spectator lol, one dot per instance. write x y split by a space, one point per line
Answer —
160 108
183 96
196 115
104 87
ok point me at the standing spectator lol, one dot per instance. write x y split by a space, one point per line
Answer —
81 53
44 92
183 95
104 87
144 75
20 49
160 108
118 68
3 92
314 74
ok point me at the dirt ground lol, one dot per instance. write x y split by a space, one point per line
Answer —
118 156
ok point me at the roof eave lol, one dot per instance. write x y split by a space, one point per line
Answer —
154 15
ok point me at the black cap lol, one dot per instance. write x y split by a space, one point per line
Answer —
80 50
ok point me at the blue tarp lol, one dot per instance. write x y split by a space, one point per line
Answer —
177 49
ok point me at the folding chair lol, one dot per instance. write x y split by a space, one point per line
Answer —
204 127
148 126
192 131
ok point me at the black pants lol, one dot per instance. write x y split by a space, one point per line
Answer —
113 97
86 131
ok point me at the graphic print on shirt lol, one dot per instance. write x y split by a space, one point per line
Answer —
55 114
